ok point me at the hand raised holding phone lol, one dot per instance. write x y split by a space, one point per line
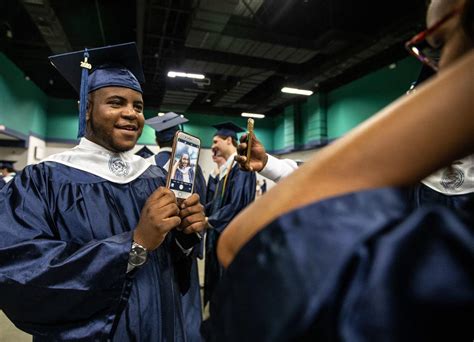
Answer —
251 154
159 215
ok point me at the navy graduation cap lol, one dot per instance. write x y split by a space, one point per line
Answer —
166 126
91 69
7 164
228 129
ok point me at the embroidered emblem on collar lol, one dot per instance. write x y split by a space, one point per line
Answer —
118 167
453 178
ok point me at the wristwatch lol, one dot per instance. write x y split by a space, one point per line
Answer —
138 255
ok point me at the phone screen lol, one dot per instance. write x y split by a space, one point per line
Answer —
183 167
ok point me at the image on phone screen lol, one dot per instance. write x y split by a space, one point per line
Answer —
183 168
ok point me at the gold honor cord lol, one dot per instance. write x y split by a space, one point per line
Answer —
225 179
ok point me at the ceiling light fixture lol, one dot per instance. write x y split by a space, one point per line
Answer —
174 74
253 115
296 91
161 114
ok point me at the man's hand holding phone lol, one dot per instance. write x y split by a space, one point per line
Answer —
193 219
159 215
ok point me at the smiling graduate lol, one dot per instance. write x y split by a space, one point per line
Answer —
89 247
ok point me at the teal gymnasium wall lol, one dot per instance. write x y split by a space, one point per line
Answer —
351 104
307 124
325 117
23 106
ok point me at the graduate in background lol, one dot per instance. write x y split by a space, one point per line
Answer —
89 249
7 172
213 179
234 191
165 127
144 152
329 255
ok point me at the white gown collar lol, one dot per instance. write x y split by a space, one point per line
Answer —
228 163
89 157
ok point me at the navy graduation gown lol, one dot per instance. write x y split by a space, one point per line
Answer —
66 237
211 187
360 267
239 192
2 183
421 195
192 307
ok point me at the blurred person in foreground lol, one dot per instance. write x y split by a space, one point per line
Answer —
330 254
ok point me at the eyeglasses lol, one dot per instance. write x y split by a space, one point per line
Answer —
419 47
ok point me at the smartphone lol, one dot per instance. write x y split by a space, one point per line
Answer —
183 164
250 125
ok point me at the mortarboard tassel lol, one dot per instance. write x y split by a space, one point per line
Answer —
83 94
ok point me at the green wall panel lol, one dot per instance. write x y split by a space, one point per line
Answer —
22 104
355 102
62 119
313 120
284 130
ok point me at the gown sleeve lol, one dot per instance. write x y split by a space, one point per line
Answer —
360 267
240 192
49 284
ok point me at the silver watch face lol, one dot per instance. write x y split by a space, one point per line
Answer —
138 255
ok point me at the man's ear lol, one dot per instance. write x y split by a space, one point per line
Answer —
228 140
88 109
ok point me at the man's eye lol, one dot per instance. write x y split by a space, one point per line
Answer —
115 103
